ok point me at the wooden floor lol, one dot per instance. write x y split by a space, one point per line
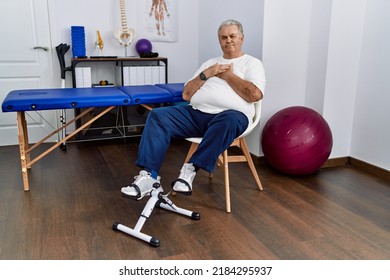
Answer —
74 198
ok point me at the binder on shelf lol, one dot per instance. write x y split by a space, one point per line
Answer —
83 77
141 75
148 75
162 74
133 78
156 75
125 80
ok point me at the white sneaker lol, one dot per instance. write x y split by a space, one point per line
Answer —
184 183
142 186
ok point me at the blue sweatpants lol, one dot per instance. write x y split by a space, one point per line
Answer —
164 123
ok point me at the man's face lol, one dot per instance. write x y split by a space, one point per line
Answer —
231 41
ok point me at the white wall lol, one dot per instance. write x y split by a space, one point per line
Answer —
212 13
285 54
317 56
105 16
371 128
341 73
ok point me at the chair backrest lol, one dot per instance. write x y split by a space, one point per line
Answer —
256 119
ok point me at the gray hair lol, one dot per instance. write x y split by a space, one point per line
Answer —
232 22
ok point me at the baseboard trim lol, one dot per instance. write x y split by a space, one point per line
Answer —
334 162
343 161
370 168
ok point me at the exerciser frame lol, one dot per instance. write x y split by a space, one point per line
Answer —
157 198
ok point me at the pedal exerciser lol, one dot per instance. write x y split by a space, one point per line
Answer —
157 198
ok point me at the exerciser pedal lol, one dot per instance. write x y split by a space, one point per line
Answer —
157 198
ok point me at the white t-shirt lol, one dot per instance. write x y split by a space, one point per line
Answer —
216 95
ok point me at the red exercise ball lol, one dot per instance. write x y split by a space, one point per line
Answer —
296 141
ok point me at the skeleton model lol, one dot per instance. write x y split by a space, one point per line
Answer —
125 35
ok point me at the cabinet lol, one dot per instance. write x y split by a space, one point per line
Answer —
117 71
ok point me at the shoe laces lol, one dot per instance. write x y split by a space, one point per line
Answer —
145 175
142 176
186 171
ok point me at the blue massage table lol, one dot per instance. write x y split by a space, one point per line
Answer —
20 101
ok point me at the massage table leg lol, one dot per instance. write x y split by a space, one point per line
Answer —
63 131
23 147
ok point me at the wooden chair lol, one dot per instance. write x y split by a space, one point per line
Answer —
224 159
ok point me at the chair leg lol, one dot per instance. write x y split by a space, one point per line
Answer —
191 151
252 167
225 162
227 183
